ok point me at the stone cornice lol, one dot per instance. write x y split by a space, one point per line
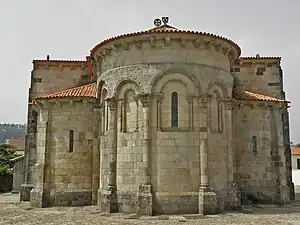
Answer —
59 64
262 104
208 43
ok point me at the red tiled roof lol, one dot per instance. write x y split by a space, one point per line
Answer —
261 57
90 91
17 143
240 94
295 150
57 62
86 91
163 29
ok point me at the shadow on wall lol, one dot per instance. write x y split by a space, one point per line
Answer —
6 183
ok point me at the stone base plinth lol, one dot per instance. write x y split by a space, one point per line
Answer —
234 197
144 200
107 199
207 202
37 198
25 190
74 197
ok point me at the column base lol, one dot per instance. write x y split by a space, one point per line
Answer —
144 200
25 190
107 199
234 197
37 198
208 203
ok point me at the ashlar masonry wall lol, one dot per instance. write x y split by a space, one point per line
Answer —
67 164
260 152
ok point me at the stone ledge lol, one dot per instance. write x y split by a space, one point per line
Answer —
25 190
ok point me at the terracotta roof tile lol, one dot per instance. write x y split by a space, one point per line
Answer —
86 91
17 143
295 150
90 91
261 57
240 94
163 29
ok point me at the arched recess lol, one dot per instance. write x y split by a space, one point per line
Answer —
173 115
129 112
164 76
104 111
216 109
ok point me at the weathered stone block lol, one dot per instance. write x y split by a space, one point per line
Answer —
38 198
234 197
107 199
78 197
144 200
208 203
25 190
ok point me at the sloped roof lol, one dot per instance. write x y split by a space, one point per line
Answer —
240 94
90 91
163 29
85 91
17 143
295 150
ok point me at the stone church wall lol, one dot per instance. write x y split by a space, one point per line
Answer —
260 75
48 76
69 155
160 68
260 160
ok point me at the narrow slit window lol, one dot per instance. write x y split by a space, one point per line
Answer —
254 144
71 140
174 109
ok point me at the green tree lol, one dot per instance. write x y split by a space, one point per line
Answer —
7 153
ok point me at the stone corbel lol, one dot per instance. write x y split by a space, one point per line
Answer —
231 55
218 47
183 42
71 67
108 51
71 103
125 45
60 66
225 50
138 44
57 103
197 42
152 42
168 41
84 103
209 45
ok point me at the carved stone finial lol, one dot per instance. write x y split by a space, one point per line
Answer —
145 99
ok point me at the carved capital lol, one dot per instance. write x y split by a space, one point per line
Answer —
204 100
112 103
230 104
190 99
145 99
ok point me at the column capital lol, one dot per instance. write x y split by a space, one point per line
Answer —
204 100
145 99
112 103
230 103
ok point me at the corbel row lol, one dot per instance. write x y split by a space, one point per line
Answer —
208 43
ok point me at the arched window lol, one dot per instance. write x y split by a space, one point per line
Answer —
174 109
